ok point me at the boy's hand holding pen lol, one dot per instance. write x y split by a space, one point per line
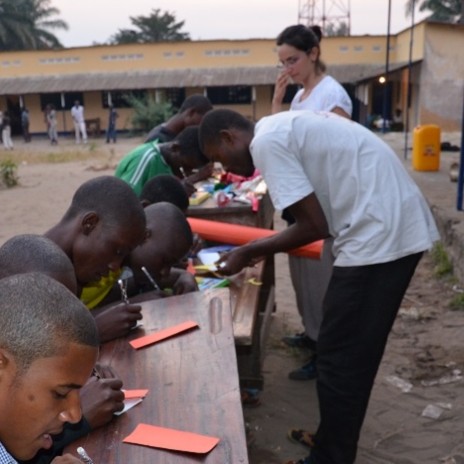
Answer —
116 321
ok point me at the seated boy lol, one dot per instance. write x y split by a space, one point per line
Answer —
169 188
36 253
48 348
165 187
178 157
103 224
169 238
99 399
190 113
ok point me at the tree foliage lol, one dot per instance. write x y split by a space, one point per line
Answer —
148 113
157 27
449 11
27 25
340 29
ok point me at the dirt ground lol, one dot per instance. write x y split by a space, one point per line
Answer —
416 411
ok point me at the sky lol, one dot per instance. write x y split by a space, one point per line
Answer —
95 21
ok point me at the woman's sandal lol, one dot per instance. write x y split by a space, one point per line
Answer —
302 437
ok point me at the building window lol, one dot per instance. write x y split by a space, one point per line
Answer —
227 52
175 96
290 92
123 57
358 48
119 98
229 95
60 60
55 99
343 48
376 48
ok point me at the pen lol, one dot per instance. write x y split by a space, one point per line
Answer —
122 286
150 278
84 456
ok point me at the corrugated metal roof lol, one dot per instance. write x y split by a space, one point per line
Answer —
201 77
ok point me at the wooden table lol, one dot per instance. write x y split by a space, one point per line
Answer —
193 384
236 213
251 304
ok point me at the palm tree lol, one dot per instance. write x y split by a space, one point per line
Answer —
13 27
25 25
442 10
157 27
42 17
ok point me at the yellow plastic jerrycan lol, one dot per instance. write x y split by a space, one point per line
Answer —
426 148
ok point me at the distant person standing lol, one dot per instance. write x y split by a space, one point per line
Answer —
52 124
1 126
77 113
6 131
25 124
111 131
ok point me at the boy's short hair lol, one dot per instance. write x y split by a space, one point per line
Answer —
170 218
33 253
198 102
190 145
39 318
218 120
111 198
165 188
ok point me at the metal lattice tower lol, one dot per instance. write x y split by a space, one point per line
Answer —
332 15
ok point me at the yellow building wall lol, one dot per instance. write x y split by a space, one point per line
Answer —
442 78
201 54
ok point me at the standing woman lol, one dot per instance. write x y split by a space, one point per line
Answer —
299 54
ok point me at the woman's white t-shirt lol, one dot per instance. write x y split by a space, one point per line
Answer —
327 95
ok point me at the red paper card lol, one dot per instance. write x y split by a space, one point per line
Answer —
162 334
129 394
177 440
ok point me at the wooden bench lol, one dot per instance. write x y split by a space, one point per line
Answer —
93 127
251 304
193 383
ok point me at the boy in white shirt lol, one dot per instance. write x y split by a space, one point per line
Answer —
337 179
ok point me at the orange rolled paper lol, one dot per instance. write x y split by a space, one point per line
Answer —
234 234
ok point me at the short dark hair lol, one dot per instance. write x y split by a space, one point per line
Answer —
303 38
39 318
198 102
170 219
111 198
33 253
165 188
218 120
190 145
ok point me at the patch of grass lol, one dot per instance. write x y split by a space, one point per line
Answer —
62 155
457 303
8 173
443 267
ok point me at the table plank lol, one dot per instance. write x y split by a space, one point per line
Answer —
193 382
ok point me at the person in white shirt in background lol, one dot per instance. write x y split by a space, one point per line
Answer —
298 48
6 131
77 113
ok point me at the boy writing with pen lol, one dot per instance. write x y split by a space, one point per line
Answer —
148 268
48 347
101 396
179 157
